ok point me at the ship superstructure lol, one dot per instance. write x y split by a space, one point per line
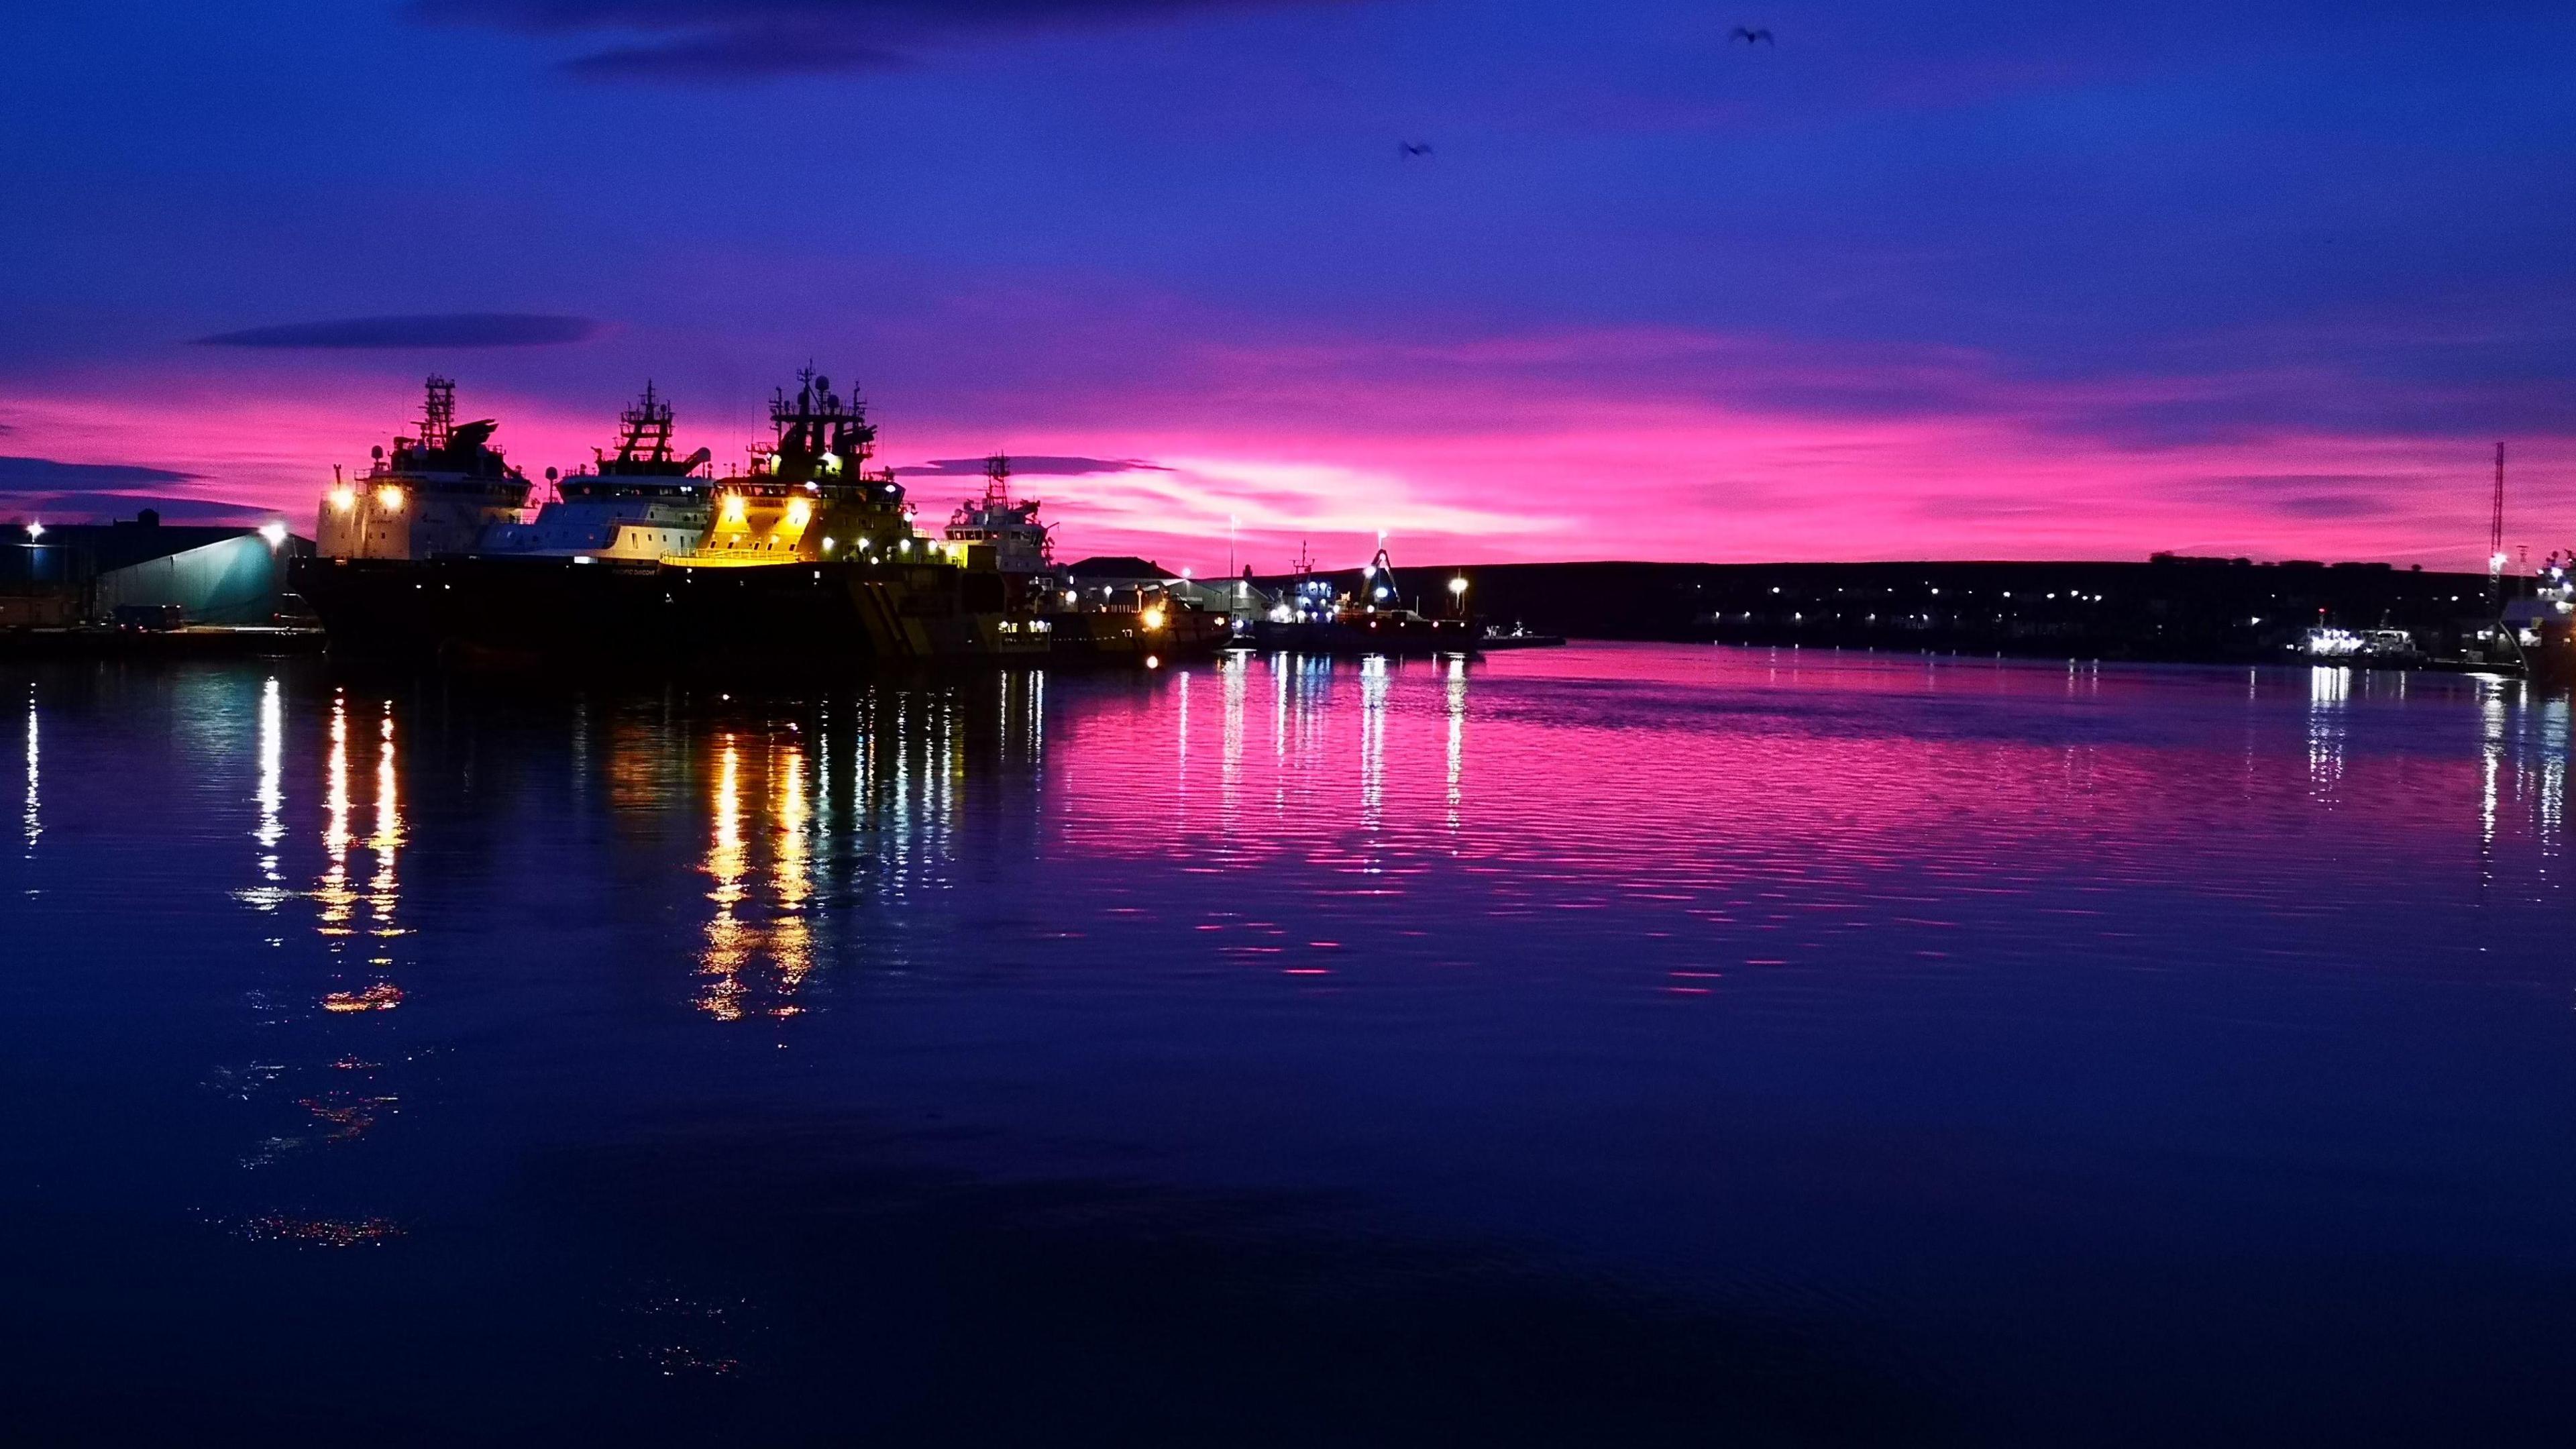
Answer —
809 495
433 494
640 501
1000 532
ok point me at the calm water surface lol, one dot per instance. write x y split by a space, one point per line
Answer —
1614 1044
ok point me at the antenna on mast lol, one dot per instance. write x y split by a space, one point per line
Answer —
2495 542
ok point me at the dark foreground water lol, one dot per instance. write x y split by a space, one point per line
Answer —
1606 1046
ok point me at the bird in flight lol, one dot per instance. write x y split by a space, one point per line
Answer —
1755 35
1410 149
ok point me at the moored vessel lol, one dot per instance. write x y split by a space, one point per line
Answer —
1314 617
807 557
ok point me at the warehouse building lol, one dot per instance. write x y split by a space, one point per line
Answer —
142 571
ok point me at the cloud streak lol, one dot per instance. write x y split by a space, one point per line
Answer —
424 330
1032 465
45 475
718 41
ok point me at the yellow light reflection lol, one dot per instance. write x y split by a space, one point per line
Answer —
728 939
382 893
332 892
752 925
792 944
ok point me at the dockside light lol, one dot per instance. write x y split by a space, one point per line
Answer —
1153 617
1458 585
35 531
275 533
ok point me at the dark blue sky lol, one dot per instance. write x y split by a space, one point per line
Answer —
2001 279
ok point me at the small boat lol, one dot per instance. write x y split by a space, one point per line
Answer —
1519 636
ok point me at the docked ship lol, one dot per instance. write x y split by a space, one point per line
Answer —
1002 533
1313 616
805 557
433 494
639 499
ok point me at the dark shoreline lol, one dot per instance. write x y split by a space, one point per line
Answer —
2173 610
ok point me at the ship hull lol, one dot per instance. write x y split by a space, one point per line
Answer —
556 611
803 617
1402 638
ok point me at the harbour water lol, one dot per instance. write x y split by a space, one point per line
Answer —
1612 1044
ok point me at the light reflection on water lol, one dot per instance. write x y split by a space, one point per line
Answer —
1842 986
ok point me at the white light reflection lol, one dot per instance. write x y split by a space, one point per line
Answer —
32 820
271 892
2491 731
1237 671
2329 691
1457 692
1373 685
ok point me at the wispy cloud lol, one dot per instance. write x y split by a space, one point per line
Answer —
1034 465
723 41
437 329
45 475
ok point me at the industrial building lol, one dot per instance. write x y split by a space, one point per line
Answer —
142 571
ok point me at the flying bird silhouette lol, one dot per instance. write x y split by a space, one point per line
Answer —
1410 149
1755 35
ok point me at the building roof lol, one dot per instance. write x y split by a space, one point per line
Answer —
131 541
1118 566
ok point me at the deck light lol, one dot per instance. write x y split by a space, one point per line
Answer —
389 498
799 511
733 508
275 533
344 499
1458 585
1153 617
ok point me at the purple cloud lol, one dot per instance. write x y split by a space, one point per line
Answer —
719 41
1034 465
441 329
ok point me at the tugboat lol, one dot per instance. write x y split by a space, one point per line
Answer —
436 494
642 502
1313 618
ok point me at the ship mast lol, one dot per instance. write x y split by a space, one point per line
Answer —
438 414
